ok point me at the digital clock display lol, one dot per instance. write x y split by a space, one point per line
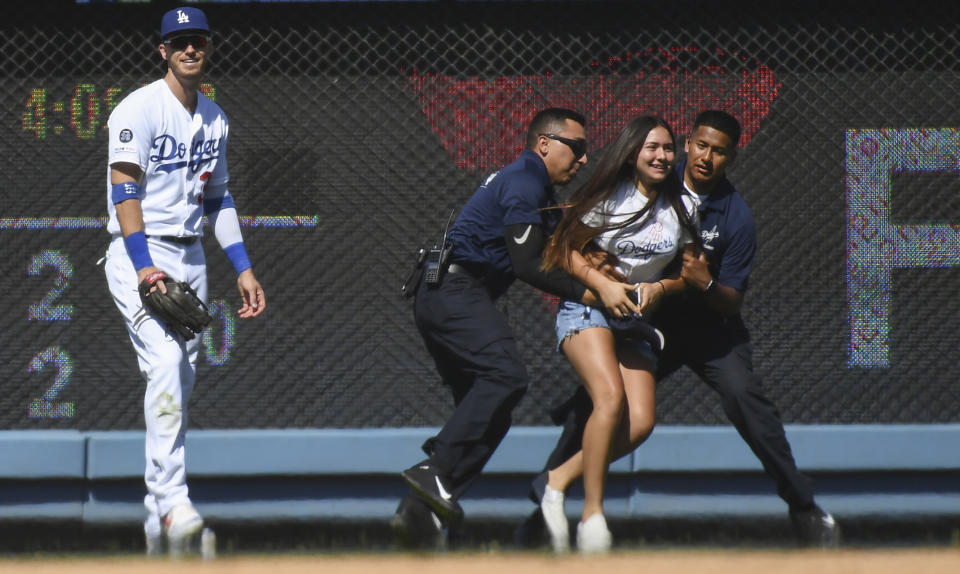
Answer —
83 113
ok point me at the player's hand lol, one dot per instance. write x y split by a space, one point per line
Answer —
695 270
251 295
145 272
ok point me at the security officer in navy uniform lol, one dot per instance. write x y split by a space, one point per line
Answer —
498 236
704 330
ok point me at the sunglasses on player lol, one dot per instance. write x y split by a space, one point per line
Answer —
181 42
578 147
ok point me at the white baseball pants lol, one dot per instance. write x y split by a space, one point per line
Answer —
167 363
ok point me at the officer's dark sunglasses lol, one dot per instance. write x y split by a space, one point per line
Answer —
578 147
181 42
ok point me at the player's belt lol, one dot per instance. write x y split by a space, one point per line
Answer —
179 240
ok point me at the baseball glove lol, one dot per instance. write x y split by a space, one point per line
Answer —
179 308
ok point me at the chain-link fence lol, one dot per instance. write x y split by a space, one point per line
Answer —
358 127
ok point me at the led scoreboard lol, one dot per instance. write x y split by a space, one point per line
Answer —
355 128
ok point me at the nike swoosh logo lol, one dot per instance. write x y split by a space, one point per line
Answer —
523 238
443 491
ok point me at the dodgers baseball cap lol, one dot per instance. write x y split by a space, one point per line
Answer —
184 19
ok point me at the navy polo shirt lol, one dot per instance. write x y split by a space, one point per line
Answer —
517 194
728 234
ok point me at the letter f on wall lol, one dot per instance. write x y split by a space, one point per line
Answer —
875 245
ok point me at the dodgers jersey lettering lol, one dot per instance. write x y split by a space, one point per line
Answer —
183 157
645 247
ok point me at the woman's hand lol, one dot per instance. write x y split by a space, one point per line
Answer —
651 295
599 273
616 297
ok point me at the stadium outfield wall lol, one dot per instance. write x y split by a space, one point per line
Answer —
880 471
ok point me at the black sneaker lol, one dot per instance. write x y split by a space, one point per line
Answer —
815 528
417 527
425 480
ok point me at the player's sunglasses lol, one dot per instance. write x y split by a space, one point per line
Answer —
578 147
181 42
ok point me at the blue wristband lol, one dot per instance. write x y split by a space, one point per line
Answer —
136 244
120 192
237 254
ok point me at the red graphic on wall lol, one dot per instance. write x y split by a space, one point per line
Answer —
481 122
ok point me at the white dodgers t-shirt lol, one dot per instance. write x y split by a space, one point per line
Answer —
644 247
182 157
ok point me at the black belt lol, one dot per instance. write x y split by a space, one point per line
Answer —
494 283
179 240
475 270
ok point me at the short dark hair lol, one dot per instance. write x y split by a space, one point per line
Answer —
549 121
720 121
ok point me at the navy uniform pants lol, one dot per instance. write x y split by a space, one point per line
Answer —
477 358
720 353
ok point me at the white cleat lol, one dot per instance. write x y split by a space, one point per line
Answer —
181 526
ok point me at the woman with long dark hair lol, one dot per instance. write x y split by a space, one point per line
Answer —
634 211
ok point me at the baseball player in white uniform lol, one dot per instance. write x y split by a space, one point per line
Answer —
167 169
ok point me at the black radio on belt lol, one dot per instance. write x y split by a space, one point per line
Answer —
430 265
435 264
436 261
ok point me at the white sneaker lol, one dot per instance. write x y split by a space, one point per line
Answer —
593 536
181 525
555 518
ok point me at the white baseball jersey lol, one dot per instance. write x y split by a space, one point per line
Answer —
645 247
183 157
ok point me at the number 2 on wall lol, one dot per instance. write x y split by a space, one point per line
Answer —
47 407
46 309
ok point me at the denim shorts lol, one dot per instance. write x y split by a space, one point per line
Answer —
573 317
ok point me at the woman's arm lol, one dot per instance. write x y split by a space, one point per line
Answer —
614 295
669 284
